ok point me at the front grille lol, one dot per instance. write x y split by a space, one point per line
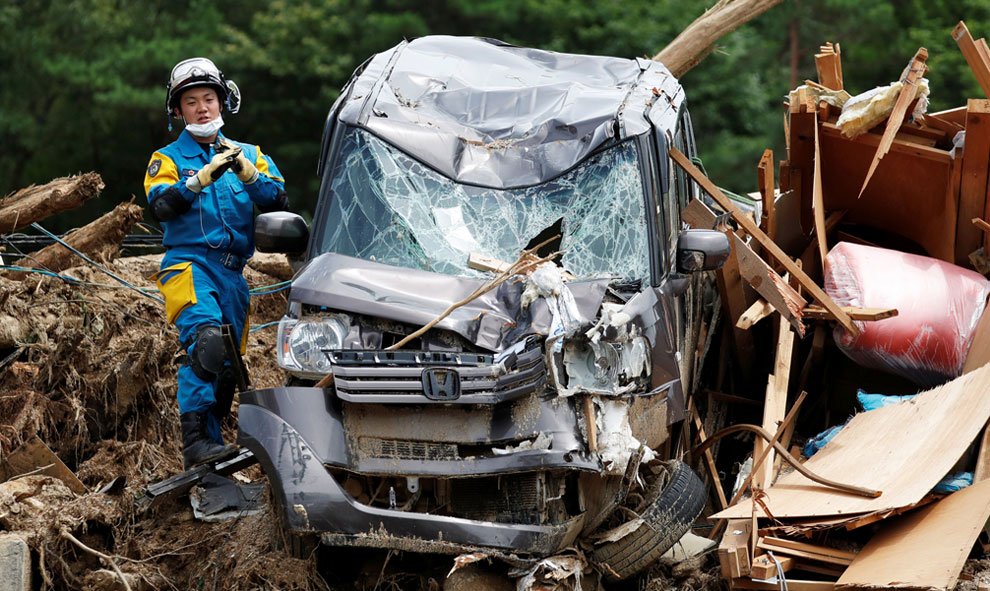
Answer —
516 498
407 450
396 377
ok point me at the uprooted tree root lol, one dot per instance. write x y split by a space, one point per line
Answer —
92 373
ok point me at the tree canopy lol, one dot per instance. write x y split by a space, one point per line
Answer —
82 85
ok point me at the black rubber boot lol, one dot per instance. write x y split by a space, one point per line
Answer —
197 447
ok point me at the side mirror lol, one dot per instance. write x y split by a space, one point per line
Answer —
701 250
281 231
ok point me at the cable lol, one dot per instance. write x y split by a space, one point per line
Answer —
99 267
263 326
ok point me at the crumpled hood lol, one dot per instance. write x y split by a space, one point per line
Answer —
492 321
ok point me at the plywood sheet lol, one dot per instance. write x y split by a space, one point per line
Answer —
925 549
902 450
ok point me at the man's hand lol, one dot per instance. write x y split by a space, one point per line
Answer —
245 170
217 165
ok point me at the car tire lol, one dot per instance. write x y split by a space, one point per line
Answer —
669 508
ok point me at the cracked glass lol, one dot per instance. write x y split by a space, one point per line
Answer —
389 208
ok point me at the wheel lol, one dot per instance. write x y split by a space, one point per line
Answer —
669 507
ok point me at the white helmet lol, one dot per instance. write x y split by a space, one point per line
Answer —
200 71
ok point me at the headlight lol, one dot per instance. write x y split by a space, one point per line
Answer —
601 366
301 343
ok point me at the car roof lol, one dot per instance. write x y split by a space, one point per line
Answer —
484 112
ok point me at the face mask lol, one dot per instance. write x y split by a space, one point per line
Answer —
207 129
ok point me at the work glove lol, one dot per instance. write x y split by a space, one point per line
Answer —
217 165
245 170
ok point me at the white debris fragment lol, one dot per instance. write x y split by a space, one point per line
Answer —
689 546
542 441
555 573
547 282
466 559
617 533
616 443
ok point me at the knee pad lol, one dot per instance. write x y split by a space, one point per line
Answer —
209 353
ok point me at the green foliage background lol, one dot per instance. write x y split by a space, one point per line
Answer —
82 81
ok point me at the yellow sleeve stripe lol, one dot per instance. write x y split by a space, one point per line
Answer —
262 165
161 170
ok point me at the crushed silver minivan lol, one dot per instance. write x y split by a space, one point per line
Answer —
522 420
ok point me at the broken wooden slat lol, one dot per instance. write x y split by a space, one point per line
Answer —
733 550
828 62
818 204
758 311
925 549
973 184
866 314
768 218
973 57
816 292
915 71
808 551
775 406
730 285
709 459
769 284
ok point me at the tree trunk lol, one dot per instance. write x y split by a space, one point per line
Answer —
35 203
99 239
698 39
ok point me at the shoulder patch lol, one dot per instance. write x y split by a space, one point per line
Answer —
188 172
155 166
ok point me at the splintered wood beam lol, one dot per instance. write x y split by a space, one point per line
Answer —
775 406
829 65
865 314
982 225
771 247
907 95
979 66
768 219
769 284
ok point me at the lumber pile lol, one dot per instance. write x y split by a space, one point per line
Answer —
882 177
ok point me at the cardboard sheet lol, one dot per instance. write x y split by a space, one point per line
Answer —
925 549
902 450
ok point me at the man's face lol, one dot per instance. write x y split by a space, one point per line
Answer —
199 105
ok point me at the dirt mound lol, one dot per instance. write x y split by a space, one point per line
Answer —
88 365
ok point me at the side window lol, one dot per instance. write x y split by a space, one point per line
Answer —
684 141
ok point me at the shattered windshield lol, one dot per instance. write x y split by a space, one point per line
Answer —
389 208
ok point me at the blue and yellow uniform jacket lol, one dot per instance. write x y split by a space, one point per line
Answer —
221 217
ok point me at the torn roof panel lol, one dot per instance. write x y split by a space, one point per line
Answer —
483 112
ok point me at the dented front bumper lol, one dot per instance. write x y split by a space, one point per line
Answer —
301 435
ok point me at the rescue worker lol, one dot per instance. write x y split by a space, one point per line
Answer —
203 188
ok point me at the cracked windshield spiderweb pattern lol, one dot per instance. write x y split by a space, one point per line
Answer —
389 208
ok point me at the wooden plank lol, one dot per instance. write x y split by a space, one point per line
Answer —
837 556
758 311
955 117
753 230
969 50
866 314
733 550
906 97
730 286
828 62
899 146
925 549
709 459
769 284
765 568
775 406
902 450
768 218
792 585
818 204
35 457
973 183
